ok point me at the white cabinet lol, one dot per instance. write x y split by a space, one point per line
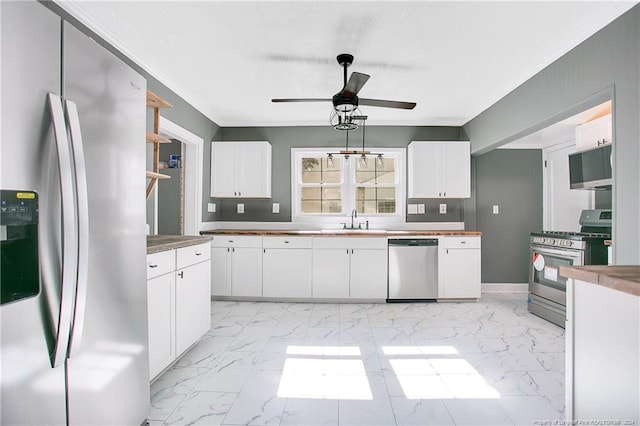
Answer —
161 310
286 267
178 303
439 169
241 169
193 298
236 265
595 133
350 268
459 268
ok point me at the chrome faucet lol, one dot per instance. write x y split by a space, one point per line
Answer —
354 215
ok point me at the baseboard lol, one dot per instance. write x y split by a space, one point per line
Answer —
505 287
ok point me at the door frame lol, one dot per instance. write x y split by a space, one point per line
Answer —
192 163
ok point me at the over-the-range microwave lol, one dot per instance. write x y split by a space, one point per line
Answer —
591 169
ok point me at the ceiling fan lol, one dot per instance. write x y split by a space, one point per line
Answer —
347 100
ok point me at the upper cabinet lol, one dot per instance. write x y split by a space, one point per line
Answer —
594 133
241 169
439 170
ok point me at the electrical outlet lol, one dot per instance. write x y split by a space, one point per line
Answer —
240 208
420 208
412 209
275 208
443 209
496 209
211 207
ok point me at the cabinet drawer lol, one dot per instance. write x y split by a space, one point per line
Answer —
236 241
161 263
287 242
192 254
460 242
349 243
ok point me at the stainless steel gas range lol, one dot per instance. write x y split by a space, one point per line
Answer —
552 249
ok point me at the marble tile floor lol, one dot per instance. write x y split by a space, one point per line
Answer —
488 362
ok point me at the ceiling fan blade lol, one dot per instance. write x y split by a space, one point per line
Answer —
386 104
302 100
355 83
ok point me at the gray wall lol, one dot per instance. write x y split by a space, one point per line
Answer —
512 180
282 139
606 66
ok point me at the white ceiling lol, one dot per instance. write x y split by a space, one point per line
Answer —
455 59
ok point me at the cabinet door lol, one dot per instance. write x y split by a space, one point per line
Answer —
246 272
456 170
161 312
594 133
223 169
193 304
286 273
424 170
331 273
458 273
220 271
368 274
254 169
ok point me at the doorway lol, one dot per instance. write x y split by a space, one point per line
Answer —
192 147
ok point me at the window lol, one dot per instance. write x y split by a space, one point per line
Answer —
323 187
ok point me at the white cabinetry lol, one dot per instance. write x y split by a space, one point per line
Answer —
350 268
286 267
236 265
439 169
161 310
459 268
595 133
193 298
178 303
241 169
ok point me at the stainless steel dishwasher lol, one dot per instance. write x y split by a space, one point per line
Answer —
413 270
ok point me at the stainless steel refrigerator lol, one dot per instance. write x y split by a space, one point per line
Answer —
73 340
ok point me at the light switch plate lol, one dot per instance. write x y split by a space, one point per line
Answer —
443 209
420 208
240 208
412 209
275 208
211 207
496 209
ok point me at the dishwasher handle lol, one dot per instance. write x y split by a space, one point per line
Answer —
412 242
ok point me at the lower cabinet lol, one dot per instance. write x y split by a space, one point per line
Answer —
350 268
459 268
161 310
286 267
178 302
236 265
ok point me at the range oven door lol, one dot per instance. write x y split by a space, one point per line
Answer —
544 273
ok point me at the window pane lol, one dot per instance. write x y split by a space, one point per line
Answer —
311 164
311 193
332 176
311 207
331 206
331 193
318 170
337 164
386 206
387 193
312 177
366 192
373 172
365 176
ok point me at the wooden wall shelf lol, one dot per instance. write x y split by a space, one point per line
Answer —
156 102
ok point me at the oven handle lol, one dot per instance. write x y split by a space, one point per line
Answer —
574 254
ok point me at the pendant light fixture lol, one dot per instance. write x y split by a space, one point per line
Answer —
362 161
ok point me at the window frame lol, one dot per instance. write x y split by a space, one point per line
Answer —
348 191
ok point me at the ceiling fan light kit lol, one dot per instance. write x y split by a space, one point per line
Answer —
346 101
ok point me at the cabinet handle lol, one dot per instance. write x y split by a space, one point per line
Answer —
239 193
286 242
347 252
463 242
351 251
155 265
604 141
439 194
198 253
235 194
181 274
230 241
447 251
233 250
264 250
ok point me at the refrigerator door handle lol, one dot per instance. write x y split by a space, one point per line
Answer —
69 231
83 226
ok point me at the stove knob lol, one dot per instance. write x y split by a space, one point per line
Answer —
569 243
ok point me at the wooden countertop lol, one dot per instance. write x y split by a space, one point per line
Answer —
340 232
617 277
157 243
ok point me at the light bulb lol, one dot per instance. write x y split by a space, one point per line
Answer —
330 160
363 161
380 160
